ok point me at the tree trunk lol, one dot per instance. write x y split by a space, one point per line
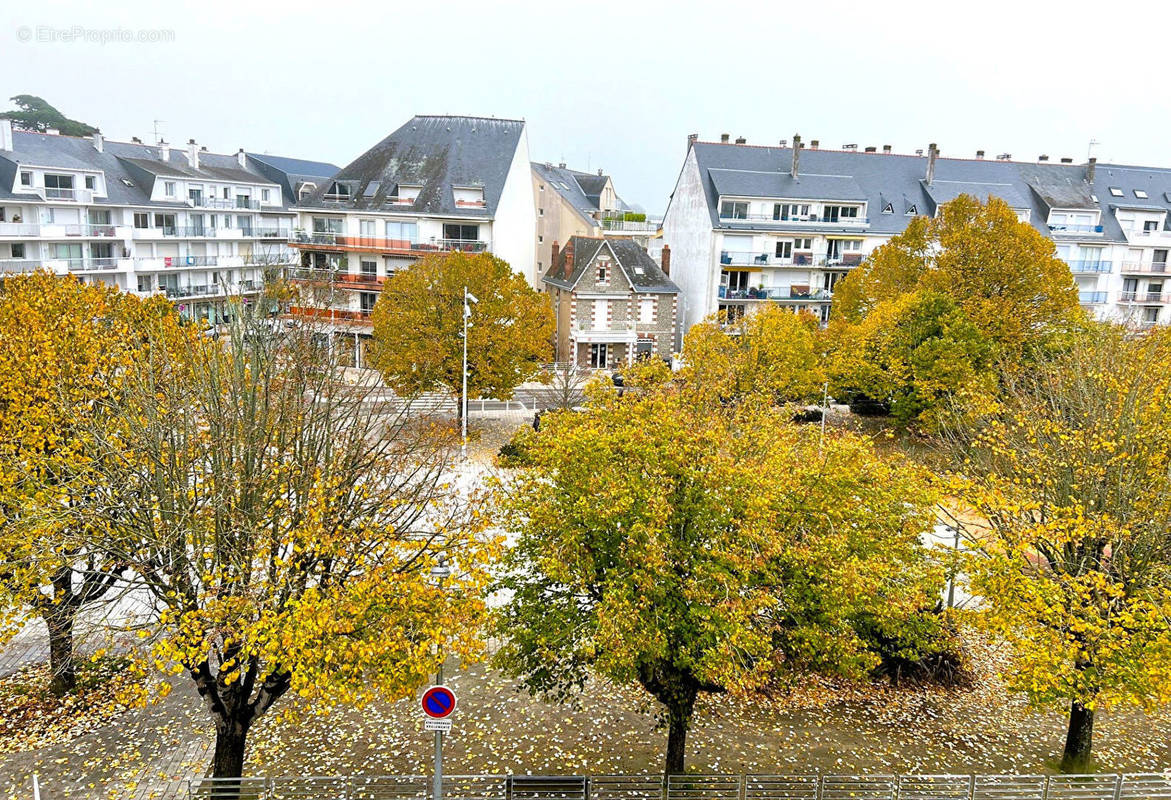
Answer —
230 738
1079 739
61 664
678 722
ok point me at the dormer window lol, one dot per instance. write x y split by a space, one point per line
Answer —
1115 191
26 178
407 194
91 182
169 188
734 209
468 196
338 191
1140 194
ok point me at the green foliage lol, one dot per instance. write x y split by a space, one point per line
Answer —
34 114
418 327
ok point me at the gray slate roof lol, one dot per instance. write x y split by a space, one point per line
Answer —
639 268
435 153
567 184
899 181
137 163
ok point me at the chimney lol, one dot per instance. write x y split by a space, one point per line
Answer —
568 258
784 142
796 155
919 151
850 147
556 252
692 138
599 172
164 151
813 144
1004 157
241 159
1042 157
665 260
871 149
979 155
886 149
741 140
136 140
561 165
724 138
1066 160
99 143
1091 167
5 134
192 154
932 154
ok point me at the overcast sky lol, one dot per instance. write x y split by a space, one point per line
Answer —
615 85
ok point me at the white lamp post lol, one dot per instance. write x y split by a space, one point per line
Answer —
468 298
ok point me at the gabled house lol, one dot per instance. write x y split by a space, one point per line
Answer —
613 303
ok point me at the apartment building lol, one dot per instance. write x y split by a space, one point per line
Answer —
612 302
750 224
572 203
193 225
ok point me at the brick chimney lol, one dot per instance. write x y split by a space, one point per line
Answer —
741 140
1091 167
692 138
665 260
553 261
932 154
796 155
568 252
724 138
886 148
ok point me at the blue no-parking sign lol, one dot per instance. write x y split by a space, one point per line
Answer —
438 702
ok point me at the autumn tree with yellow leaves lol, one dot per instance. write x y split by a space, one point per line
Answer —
65 349
690 548
935 314
284 529
418 327
1072 477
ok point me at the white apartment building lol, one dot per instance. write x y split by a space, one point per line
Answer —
749 225
193 225
438 183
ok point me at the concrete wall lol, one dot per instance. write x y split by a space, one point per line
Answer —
512 229
687 229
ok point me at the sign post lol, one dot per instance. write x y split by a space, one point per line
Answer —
438 704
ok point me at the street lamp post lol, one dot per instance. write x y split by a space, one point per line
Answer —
468 298
439 572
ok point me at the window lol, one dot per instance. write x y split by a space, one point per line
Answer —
1115 191
99 216
243 201
646 311
731 313
784 250
327 225
461 233
369 267
366 228
227 193
912 210
603 273
169 188
601 315
338 191
540 239
18 250
598 356
540 212
888 209
791 211
1150 225
734 209
141 220
59 186
145 283
367 301
166 222
264 195
91 182
1140 194
405 232
26 178
803 244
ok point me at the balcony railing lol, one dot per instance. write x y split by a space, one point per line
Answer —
76 195
229 203
188 231
10 265
270 233
812 219
756 259
89 229
377 243
1091 298
1069 227
631 226
19 229
179 261
1137 266
1142 297
774 293
1085 266
103 262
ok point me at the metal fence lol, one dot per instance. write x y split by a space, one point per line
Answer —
694 787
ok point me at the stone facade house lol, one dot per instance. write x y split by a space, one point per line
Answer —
612 301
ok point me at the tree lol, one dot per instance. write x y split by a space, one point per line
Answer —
770 353
691 549
418 327
34 114
65 347
917 354
992 293
1073 479
285 531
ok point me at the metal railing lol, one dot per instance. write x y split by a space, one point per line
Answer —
1064 227
774 293
1145 786
9 265
230 203
62 193
89 229
1138 266
631 226
19 229
812 219
1091 298
766 259
1084 266
1142 297
188 230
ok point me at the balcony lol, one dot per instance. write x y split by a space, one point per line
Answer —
1086 267
11 265
1155 267
812 219
1091 298
89 230
19 229
403 246
621 225
777 293
221 203
1143 297
756 259
189 231
176 262
70 195
1070 228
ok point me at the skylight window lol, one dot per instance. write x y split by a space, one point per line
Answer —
912 211
128 182
1140 194
1115 191
888 209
